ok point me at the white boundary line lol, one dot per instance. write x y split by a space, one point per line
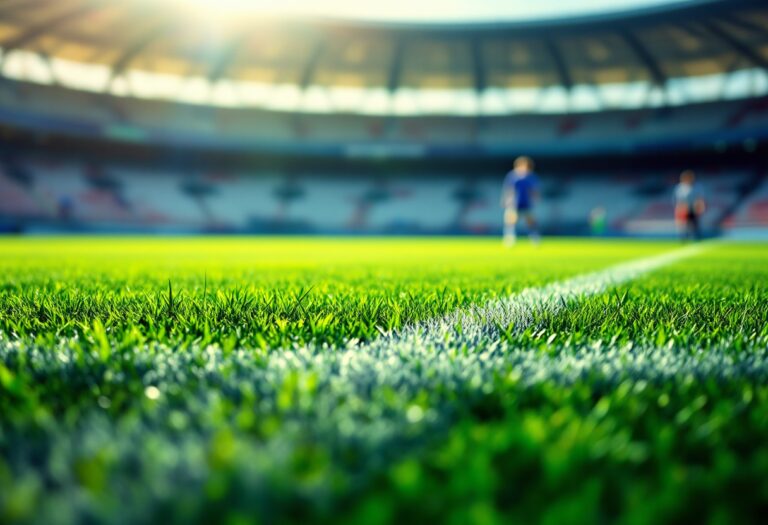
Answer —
458 345
518 310
471 332
367 395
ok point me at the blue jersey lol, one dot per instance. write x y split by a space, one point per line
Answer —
523 187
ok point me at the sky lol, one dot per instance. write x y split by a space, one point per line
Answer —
445 11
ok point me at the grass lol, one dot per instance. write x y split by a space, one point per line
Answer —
265 294
719 298
167 380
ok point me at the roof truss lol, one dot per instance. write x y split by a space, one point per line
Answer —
130 53
223 62
396 67
34 31
478 67
308 71
646 58
737 45
560 65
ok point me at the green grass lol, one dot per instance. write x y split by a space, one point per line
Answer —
266 293
166 380
720 297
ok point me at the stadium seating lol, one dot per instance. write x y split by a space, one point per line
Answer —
66 194
753 212
17 199
44 101
204 123
155 197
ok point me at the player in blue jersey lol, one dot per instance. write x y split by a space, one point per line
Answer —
518 196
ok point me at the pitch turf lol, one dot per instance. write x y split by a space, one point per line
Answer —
241 380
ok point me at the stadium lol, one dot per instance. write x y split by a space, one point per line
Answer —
252 269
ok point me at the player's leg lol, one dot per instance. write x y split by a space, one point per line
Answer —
681 221
533 229
693 221
510 226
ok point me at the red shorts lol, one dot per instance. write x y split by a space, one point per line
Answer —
682 213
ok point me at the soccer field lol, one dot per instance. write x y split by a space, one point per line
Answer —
289 380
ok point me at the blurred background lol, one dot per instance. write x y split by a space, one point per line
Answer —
344 118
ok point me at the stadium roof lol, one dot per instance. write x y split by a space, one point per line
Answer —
431 11
141 48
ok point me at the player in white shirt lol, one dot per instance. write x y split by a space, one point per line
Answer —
689 206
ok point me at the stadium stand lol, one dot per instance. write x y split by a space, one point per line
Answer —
670 82
38 103
47 193
753 211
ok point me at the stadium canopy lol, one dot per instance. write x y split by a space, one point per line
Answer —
649 56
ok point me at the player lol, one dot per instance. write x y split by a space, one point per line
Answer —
519 193
689 206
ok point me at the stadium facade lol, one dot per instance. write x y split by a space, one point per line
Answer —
126 115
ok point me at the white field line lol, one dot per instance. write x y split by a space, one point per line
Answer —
366 395
463 344
519 310
472 333
460 356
